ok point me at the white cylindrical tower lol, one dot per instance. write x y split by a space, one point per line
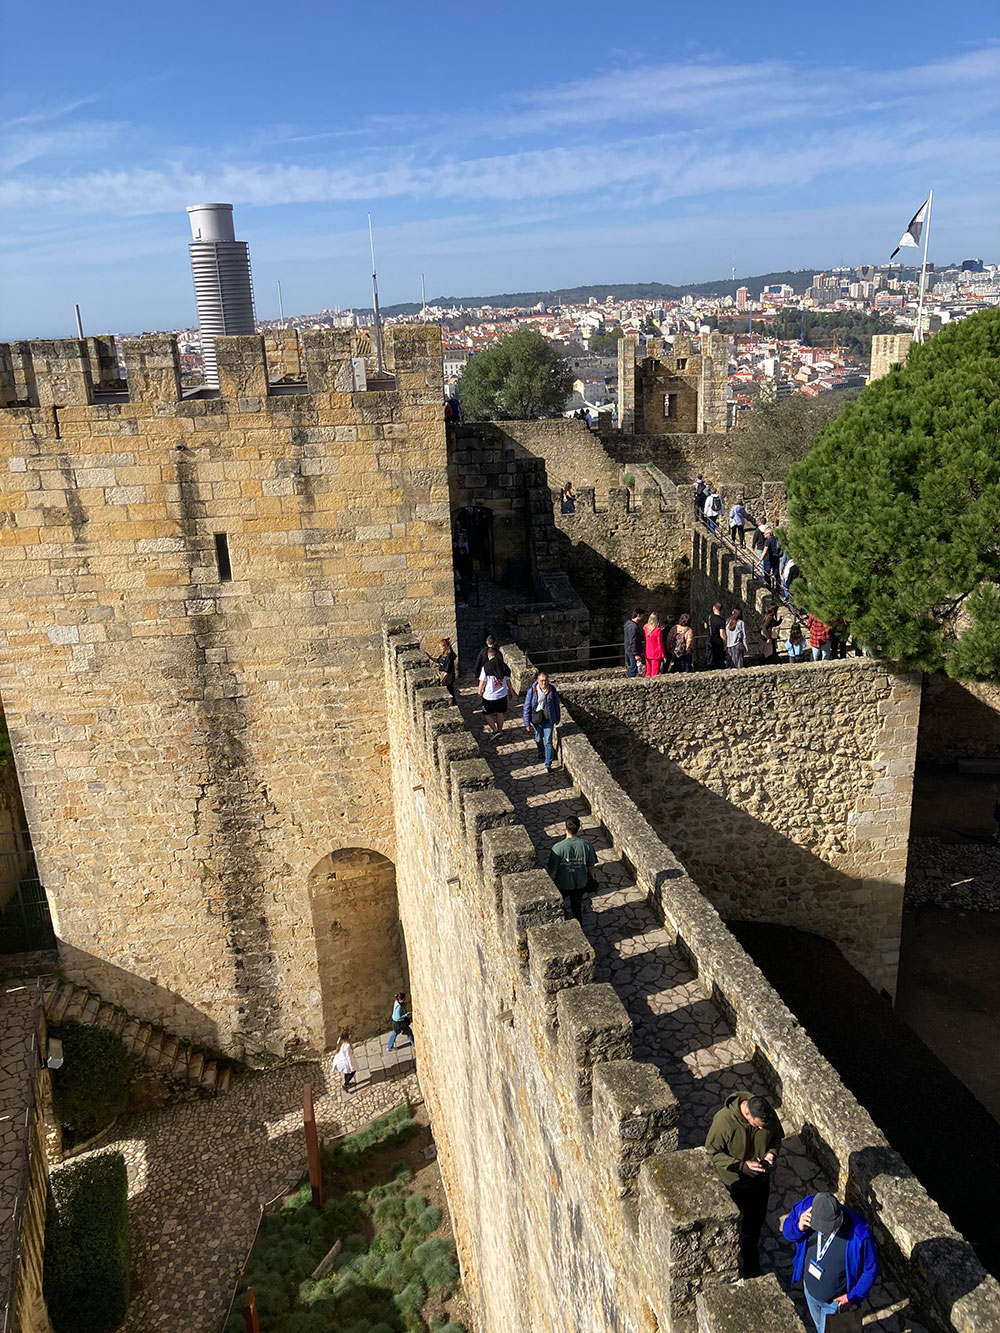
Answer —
223 288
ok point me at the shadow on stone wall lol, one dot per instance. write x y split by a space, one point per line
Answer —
610 592
142 997
745 867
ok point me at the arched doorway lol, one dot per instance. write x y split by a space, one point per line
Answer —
359 940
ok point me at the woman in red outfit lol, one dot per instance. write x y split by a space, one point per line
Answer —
654 645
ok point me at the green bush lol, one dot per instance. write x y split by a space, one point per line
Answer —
92 1086
436 1261
87 1246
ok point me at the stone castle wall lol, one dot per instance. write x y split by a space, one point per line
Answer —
959 719
673 388
15 853
571 1205
191 746
888 350
785 791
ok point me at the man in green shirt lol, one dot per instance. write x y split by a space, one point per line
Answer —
571 865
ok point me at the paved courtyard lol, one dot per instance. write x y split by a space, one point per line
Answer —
677 1026
199 1173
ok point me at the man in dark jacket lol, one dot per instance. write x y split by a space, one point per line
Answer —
541 715
716 627
834 1257
743 1144
635 646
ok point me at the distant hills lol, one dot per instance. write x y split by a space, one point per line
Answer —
798 279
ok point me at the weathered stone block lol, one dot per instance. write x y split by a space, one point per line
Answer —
635 1116
594 1026
757 1303
529 899
559 955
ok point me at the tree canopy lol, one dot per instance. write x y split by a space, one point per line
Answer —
516 379
893 516
779 432
606 344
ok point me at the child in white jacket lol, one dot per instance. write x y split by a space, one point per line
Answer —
343 1060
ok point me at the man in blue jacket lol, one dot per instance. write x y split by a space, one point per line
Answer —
835 1257
541 715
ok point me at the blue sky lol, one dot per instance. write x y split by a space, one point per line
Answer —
499 146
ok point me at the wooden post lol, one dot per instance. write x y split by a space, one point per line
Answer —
250 1320
312 1146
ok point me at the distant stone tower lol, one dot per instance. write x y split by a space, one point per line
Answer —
673 390
223 289
888 350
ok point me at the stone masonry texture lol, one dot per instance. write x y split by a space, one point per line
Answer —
192 746
785 791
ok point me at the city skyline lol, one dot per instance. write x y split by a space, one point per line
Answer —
489 164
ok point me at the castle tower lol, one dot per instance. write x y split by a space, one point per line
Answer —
223 289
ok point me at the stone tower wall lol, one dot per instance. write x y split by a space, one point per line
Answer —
191 747
888 350
693 382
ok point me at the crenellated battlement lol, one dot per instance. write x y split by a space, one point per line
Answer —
546 1104
75 372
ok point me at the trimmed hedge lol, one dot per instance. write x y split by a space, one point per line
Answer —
87 1246
92 1086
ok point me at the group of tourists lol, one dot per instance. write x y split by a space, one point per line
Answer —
770 562
343 1061
651 651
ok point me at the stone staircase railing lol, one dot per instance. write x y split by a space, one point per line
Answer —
159 1050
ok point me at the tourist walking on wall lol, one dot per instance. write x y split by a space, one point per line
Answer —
541 715
654 645
743 1144
491 643
769 636
571 865
713 508
819 640
715 625
634 642
738 523
445 661
400 1021
568 499
796 643
494 688
343 1060
835 1258
680 645
770 556
700 491
736 638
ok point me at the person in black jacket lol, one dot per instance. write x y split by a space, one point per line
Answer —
634 645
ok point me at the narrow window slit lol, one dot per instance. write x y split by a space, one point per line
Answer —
222 558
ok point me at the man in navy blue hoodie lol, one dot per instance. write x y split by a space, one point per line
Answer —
834 1257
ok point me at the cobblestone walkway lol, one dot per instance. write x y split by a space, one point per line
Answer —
677 1027
199 1172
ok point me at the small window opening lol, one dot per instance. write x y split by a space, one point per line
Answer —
222 558
682 363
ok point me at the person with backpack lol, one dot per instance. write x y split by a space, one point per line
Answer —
700 491
736 638
713 508
400 1020
494 690
738 523
770 556
541 715
680 645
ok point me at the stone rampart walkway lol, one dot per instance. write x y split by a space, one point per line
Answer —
677 1026
200 1171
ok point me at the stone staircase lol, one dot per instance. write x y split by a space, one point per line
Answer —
168 1055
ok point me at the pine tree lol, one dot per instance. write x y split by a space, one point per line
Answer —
893 516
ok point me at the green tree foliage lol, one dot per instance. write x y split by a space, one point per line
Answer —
779 432
87 1246
851 330
517 379
92 1086
606 344
893 514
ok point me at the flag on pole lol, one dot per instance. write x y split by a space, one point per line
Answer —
913 231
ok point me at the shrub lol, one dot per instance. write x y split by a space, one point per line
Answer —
436 1261
92 1086
87 1246
429 1220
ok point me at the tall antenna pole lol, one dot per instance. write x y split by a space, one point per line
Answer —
919 335
79 321
378 318
423 298
281 308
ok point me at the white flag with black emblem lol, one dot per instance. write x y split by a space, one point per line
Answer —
914 230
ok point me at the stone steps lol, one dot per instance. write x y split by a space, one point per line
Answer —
156 1048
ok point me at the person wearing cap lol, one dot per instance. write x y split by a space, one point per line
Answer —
743 1144
834 1257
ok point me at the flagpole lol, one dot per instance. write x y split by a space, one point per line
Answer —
919 336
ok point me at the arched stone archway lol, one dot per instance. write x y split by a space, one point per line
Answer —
359 940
